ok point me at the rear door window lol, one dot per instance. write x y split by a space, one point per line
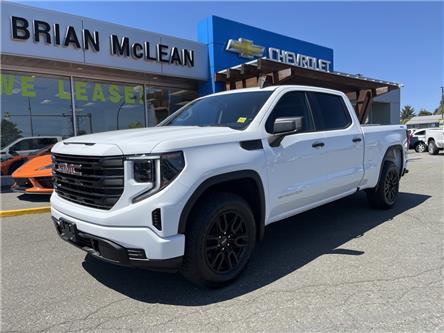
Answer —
329 111
292 104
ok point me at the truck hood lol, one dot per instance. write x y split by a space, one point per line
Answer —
150 140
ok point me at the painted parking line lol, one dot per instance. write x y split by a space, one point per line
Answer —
25 211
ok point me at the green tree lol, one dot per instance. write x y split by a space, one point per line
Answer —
440 108
407 113
424 112
10 132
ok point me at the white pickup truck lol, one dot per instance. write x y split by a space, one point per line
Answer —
435 140
195 193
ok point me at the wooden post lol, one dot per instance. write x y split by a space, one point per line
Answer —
275 78
363 104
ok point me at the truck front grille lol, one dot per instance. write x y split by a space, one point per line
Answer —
91 181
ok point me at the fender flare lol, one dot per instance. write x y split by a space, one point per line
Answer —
385 158
219 179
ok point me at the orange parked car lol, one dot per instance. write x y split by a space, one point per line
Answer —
34 177
8 166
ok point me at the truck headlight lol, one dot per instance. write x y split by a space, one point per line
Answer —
144 171
159 170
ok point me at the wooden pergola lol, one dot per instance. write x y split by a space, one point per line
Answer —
258 72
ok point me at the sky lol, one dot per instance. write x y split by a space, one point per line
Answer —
393 41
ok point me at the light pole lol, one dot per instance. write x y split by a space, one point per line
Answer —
135 96
118 112
30 117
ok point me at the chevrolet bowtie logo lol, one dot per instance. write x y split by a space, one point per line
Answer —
245 48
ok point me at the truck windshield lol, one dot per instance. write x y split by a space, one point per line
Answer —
234 110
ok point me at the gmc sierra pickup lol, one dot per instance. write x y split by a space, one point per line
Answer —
195 193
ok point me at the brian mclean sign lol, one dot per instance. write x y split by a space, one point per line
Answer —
44 34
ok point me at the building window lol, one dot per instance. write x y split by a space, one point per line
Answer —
34 105
161 102
40 105
106 106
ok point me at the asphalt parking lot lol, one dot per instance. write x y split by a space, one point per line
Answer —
12 201
343 267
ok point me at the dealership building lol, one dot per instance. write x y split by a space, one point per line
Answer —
67 75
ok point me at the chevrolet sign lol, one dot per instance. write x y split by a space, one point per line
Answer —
245 48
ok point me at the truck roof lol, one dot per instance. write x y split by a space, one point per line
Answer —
280 87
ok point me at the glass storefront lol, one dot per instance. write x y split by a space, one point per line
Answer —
34 105
161 102
105 106
40 105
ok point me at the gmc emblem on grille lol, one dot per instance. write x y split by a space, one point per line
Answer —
69 168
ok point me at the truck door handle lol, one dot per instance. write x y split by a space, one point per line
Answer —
318 144
357 140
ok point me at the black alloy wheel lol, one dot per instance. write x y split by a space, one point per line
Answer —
226 242
391 185
384 195
219 240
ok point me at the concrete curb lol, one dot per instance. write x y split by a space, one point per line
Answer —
25 211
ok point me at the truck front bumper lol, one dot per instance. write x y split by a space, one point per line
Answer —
127 246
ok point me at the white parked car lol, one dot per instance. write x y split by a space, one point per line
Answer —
28 145
195 193
435 140
418 141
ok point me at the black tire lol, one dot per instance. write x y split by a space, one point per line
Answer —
433 149
384 195
221 220
420 147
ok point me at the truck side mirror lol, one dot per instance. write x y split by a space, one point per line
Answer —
283 127
288 125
